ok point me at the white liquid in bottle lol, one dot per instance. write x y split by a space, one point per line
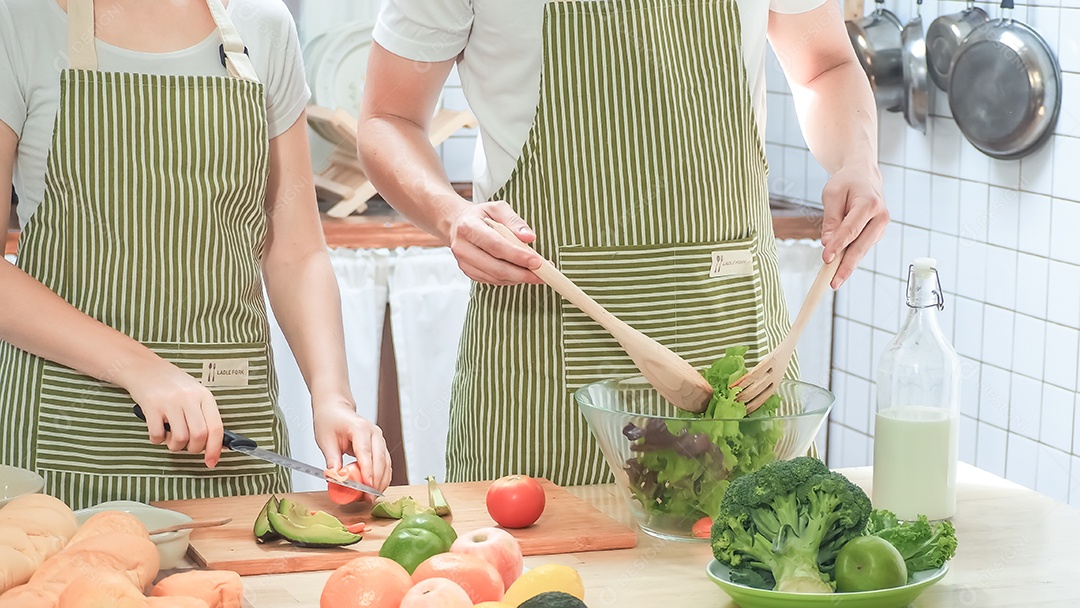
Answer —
914 461
917 436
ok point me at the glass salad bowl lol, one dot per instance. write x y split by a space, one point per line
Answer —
674 467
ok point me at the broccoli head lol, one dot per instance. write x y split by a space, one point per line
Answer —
790 518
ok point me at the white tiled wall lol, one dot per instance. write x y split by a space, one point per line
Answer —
1005 236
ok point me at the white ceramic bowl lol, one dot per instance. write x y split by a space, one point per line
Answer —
16 482
171 546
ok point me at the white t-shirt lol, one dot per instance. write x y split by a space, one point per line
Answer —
33 52
500 69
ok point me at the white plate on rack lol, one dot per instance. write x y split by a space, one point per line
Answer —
340 70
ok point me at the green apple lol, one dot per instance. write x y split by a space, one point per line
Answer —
868 563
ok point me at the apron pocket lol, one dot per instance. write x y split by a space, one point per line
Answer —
87 426
698 299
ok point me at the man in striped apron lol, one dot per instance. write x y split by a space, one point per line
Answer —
153 223
643 178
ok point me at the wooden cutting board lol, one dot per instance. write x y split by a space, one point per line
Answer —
568 525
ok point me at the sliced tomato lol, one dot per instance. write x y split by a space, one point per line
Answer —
702 528
357 528
340 494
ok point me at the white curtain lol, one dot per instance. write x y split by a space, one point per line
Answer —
428 298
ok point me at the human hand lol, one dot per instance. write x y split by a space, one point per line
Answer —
167 394
484 255
340 430
855 217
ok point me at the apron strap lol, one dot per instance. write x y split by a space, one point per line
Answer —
82 43
236 59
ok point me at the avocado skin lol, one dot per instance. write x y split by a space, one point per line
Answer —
313 535
301 515
553 599
262 529
431 523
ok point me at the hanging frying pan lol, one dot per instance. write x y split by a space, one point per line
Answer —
945 35
862 47
880 52
918 98
1005 87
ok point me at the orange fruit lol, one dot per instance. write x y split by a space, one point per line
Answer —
477 577
366 582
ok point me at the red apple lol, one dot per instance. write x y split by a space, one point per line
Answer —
495 546
436 593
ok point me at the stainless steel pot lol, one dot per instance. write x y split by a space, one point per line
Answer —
883 54
1005 88
859 41
918 99
944 37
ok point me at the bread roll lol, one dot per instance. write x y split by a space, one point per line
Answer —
26 596
45 508
128 554
38 502
110 522
15 567
175 601
46 521
101 589
218 588
33 528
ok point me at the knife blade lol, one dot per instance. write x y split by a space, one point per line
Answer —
244 445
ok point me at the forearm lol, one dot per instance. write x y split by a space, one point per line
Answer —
38 321
839 118
304 295
398 158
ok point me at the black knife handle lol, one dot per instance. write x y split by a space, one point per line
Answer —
231 440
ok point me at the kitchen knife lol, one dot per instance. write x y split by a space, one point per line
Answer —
244 445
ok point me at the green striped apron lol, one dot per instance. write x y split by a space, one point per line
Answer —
153 223
644 177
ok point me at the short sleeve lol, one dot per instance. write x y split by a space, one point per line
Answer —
792 7
424 30
287 92
12 88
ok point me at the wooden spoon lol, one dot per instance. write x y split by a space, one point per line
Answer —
192 525
674 378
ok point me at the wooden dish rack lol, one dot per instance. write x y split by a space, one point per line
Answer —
343 181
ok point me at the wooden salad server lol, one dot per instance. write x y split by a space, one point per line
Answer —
760 383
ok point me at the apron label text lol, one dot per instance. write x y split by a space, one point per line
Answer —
225 372
731 264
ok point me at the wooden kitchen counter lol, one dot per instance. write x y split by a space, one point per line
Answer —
382 228
1017 548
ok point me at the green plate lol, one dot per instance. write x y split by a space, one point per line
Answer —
897 597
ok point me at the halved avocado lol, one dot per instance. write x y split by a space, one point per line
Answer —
402 507
263 531
313 535
299 513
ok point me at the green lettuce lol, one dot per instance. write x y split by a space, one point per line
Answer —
682 467
924 545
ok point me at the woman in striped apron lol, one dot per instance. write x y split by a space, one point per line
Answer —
642 177
140 275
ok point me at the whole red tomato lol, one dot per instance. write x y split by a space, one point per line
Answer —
702 528
340 494
515 501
